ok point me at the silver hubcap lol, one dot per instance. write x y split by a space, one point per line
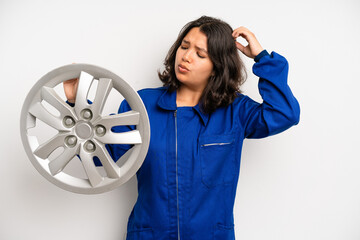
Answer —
83 131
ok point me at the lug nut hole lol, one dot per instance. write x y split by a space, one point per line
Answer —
89 146
86 114
68 121
71 141
100 130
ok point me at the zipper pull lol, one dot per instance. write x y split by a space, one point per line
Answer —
175 113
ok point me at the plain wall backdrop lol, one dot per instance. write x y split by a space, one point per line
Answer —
301 184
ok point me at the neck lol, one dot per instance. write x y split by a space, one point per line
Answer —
187 97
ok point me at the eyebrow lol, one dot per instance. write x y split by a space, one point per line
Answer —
202 49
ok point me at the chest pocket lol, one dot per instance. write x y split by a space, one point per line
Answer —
217 159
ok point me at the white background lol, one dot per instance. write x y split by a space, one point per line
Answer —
301 184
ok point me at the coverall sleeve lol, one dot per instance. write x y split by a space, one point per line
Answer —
279 110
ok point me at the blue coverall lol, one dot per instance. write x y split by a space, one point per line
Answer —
187 183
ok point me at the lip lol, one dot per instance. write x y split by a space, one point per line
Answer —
182 68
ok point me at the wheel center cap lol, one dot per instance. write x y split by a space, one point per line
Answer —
83 130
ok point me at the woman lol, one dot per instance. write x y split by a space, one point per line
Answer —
199 119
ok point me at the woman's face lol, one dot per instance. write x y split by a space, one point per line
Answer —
193 66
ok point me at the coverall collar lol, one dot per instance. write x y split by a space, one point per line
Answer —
167 101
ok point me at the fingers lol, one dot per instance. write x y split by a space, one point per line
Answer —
70 88
71 81
243 32
253 48
240 46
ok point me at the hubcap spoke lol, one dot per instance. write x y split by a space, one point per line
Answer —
102 92
87 160
45 149
131 137
58 164
50 96
38 111
112 170
85 81
125 156
126 118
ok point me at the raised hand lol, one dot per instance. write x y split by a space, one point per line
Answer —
253 48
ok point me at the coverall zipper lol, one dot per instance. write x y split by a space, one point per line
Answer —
177 186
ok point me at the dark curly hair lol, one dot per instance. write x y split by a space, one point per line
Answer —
230 73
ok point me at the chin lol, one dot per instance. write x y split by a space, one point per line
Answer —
178 76
180 79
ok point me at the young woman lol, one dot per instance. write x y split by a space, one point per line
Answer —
199 119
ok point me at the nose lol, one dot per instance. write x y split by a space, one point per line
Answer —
186 57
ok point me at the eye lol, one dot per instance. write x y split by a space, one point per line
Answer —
200 56
183 47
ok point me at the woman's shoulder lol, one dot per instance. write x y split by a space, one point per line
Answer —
149 95
239 104
240 97
146 91
243 104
